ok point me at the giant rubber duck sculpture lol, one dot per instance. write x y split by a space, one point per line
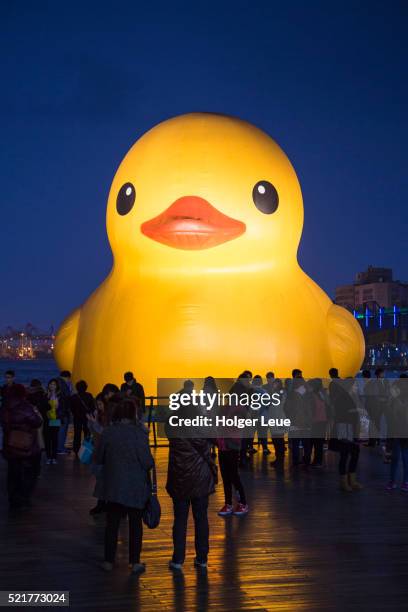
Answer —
204 218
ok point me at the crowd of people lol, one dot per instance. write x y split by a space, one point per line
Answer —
35 421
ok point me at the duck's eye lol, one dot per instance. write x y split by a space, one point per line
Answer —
125 199
265 197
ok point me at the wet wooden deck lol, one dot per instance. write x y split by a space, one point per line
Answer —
304 546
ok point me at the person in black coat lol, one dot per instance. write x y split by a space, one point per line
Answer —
345 425
82 404
133 388
8 388
124 453
191 479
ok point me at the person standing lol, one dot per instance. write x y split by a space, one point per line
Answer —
108 392
124 453
241 390
8 387
274 386
230 451
82 404
21 421
210 390
37 396
66 389
97 422
52 421
298 408
263 411
345 424
133 388
377 402
398 424
191 479
319 420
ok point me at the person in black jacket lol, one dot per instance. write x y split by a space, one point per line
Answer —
133 388
191 478
298 408
345 425
124 453
82 404
65 392
37 396
9 387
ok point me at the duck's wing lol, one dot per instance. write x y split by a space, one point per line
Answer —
65 341
346 341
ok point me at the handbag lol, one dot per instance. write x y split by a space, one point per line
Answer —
54 422
152 510
17 442
86 451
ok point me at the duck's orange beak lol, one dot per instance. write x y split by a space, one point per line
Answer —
192 223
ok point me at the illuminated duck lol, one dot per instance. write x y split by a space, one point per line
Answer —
204 218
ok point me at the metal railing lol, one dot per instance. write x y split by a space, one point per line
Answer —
152 404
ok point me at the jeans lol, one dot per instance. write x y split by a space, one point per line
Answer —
51 441
22 476
399 450
201 530
229 461
349 454
62 435
114 513
79 426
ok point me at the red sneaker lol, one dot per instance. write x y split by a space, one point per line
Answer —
225 510
241 509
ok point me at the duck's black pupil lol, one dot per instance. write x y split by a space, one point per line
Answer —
125 199
265 197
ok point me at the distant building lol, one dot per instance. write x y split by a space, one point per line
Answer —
374 288
27 343
380 305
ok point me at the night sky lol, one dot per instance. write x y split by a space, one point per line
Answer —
81 81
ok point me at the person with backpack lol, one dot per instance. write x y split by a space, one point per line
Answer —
191 479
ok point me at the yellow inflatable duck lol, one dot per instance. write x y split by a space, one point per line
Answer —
204 218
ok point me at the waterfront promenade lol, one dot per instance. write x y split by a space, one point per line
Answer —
303 546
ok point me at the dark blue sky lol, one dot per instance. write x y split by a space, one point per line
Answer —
81 81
